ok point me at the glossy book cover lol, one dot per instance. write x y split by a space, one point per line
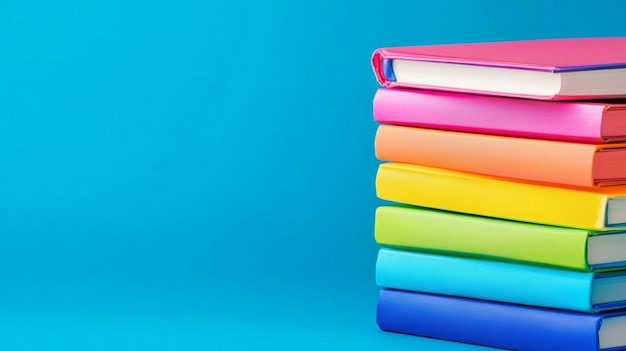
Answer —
500 281
574 121
523 63
502 325
568 206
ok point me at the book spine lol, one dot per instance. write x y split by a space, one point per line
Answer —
567 121
485 279
378 67
486 323
517 158
490 196
467 235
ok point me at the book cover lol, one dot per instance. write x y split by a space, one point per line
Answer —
540 69
501 325
568 206
523 284
558 162
435 231
574 121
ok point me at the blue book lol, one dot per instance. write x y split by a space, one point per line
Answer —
501 325
591 292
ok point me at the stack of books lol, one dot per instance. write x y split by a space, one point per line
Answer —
507 164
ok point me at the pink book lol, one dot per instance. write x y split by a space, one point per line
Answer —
549 69
574 121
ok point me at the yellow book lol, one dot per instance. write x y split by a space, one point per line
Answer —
567 206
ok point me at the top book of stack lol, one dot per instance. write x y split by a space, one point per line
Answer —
549 69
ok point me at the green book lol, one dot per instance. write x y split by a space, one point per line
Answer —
428 230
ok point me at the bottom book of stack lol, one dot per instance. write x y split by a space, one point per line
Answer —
497 324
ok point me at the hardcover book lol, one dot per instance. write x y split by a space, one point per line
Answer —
568 206
450 233
501 325
574 121
523 284
558 162
565 69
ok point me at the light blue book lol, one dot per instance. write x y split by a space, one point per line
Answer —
501 281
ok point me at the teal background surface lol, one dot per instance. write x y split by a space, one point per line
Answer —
199 175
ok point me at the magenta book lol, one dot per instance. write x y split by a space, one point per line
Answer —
574 121
549 69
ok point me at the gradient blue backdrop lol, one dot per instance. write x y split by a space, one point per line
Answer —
199 175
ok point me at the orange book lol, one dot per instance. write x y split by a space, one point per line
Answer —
516 158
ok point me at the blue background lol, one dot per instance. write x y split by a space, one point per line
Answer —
199 175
